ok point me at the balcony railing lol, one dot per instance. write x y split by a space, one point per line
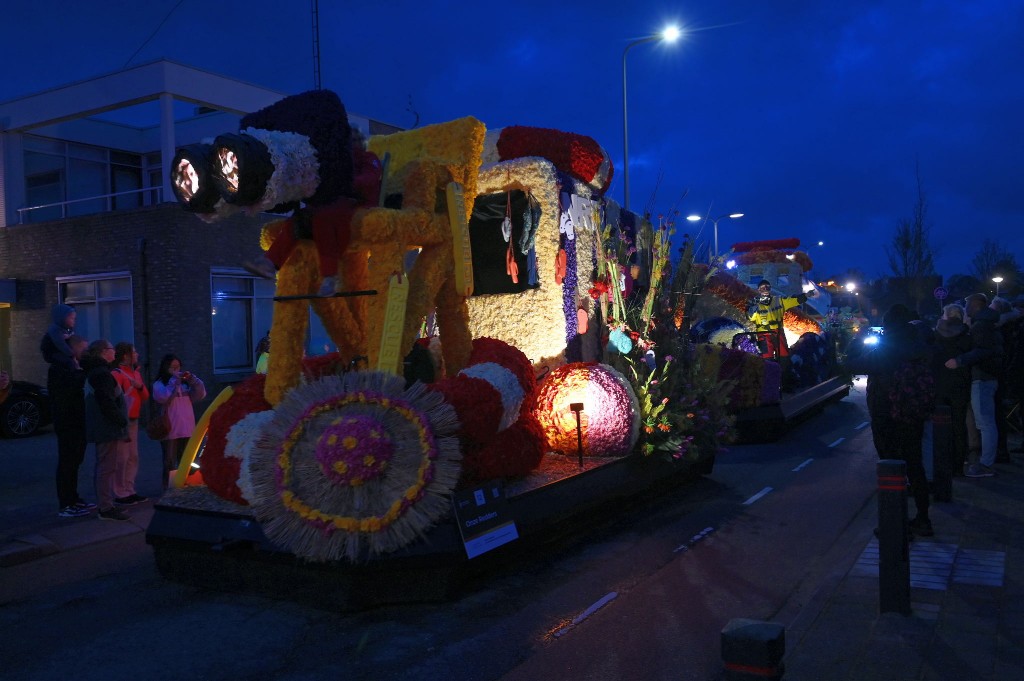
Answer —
157 197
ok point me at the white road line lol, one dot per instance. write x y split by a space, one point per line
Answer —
805 464
836 443
863 425
694 539
757 496
601 602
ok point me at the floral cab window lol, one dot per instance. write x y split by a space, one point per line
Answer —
103 305
502 228
241 309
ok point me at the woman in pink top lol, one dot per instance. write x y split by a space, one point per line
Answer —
176 391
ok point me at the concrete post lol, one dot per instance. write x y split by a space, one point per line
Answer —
752 649
893 545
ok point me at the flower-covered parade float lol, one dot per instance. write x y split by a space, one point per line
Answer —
513 352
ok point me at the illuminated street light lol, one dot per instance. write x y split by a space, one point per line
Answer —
998 281
694 218
850 286
669 35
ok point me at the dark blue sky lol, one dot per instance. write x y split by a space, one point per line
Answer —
810 117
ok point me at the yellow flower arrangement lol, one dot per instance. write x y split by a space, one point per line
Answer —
368 524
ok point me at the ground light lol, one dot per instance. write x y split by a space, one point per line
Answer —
576 408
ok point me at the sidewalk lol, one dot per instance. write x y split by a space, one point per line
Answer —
53 535
967 598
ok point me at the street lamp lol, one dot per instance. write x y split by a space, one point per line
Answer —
669 35
694 218
998 281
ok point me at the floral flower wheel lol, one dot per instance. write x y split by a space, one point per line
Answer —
354 466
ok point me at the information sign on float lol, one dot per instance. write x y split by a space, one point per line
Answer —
484 518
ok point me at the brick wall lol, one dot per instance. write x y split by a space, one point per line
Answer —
169 254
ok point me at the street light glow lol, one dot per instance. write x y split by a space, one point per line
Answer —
669 35
735 215
850 286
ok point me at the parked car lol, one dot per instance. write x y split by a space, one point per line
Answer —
25 411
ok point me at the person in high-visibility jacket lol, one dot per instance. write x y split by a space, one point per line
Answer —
767 311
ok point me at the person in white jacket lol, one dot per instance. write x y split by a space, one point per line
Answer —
176 391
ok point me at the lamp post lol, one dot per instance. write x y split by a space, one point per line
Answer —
998 281
694 218
669 35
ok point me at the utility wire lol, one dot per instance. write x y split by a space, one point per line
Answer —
153 34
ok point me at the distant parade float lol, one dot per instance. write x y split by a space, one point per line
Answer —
494 315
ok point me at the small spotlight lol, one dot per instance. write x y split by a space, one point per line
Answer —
192 178
242 168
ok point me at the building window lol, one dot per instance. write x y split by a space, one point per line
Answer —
76 179
242 308
103 304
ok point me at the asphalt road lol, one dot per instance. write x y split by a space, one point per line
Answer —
642 596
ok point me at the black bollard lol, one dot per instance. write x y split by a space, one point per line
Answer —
942 453
752 649
893 545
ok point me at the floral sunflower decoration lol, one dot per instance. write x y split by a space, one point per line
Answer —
354 466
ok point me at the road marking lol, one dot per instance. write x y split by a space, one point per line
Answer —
805 464
757 496
863 425
836 443
694 539
601 602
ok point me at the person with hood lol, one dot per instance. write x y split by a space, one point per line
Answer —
985 361
953 386
895 434
106 423
67 404
54 344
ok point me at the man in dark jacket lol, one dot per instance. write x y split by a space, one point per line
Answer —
953 386
53 344
985 361
67 404
894 436
106 422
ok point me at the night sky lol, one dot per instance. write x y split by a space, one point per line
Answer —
812 118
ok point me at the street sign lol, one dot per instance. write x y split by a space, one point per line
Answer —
941 293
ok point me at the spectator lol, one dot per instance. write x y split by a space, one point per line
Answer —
67 404
263 354
953 386
177 391
136 394
895 438
985 361
106 423
54 345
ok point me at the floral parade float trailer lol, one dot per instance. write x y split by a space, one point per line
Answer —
507 361
770 392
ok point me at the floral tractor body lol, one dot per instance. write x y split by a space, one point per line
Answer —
342 478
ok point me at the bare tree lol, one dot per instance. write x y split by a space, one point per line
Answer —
911 257
991 259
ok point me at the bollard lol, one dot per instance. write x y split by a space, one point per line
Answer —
752 649
893 549
942 453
